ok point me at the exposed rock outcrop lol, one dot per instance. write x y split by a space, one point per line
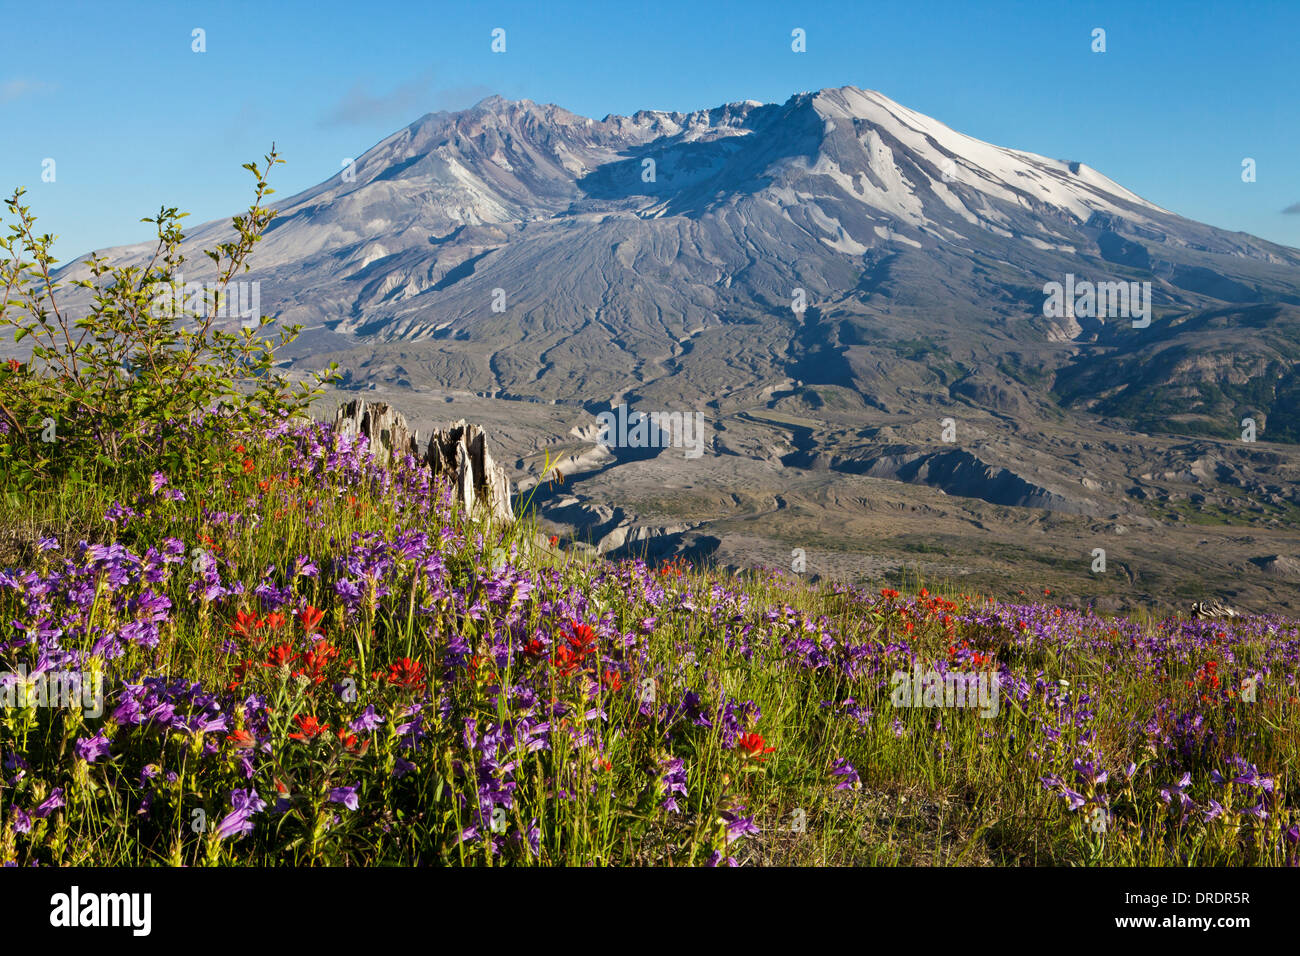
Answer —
1278 565
959 472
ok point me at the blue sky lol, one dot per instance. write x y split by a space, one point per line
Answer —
135 119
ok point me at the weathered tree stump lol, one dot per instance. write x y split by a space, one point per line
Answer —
383 426
459 452
462 450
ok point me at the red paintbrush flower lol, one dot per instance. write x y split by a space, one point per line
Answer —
240 739
754 746
245 624
582 637
275 620
349 741
308 727
612 680
565 660
315 661
310 618
282 655
406 673
241 669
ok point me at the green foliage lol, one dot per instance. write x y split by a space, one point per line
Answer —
152 376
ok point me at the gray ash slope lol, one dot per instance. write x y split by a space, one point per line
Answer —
922 251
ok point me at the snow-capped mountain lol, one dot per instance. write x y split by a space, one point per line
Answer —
520 249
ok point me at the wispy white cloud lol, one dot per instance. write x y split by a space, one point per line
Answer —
11 90
360 106
461 97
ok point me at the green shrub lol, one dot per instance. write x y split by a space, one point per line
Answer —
147 380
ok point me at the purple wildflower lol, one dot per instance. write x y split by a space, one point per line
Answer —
845 770
346 796
91 749
368 720
239 822
51 803
672 781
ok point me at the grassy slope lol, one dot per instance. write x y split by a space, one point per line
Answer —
481 722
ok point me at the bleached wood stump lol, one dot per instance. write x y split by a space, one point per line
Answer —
459 452
383 426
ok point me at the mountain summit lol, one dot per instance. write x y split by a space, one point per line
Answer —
545 255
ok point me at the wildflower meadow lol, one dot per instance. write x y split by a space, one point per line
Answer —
310 657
